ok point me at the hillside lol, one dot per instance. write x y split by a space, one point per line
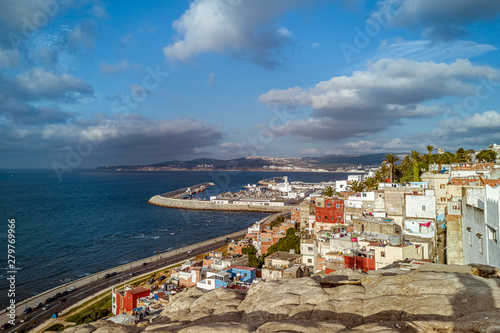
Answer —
258 163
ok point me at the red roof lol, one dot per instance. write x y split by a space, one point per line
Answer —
137 290
245 268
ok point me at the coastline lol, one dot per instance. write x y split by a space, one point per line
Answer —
161 201
136 264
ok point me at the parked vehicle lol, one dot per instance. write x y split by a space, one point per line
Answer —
57 295
5 326
113 274
27 310
161 278
73 288
107 275
24 319
48 300
46 306
64 293
37 305
151 280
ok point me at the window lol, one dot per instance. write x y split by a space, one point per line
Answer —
480 243
328 205
332 218
364 195
310 248
469 231
423 208
492 234
442 186
209 282
309 261
326 218
442 199
337 206
319 204
382 254
340 219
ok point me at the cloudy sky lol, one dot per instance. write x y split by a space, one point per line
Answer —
85 83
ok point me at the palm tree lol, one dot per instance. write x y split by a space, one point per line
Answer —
328 192
415 156
356 186
391 159
429 157
439 160
370 183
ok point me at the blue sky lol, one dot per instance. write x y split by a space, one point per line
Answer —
89 83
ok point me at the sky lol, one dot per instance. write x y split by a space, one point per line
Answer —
87 83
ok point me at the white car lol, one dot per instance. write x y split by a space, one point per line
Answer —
73 288
37 305
46 306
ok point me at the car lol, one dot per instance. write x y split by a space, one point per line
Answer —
24 319
27 310
73 288
46 306
107 275
131 273
144 263
48 300
57 295
37 305
5 326
113 274
161 278
64 293
190 251
151 280
62 300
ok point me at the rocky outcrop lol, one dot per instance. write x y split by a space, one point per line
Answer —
435 298
158 200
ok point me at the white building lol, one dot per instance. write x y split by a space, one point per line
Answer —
480 225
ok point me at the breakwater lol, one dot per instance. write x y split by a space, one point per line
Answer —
162 201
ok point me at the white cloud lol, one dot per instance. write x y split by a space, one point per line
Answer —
242 29
38 84
8 58
370 101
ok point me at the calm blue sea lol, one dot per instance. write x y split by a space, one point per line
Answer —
94 220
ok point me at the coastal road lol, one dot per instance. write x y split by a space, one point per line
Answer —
37 316
95 284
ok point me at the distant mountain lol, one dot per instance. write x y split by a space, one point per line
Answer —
260 163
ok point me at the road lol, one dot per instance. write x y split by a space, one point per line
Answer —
39 315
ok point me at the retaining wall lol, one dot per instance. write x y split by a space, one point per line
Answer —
208 205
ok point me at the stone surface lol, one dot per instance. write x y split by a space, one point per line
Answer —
435 298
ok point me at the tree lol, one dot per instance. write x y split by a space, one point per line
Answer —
415 156
461 155
486 155
356 186
439 161
429 157
291 241
370 183
328 192
391 159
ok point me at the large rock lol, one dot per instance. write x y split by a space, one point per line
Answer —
435 298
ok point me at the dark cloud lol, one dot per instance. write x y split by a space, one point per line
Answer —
129 139
443 19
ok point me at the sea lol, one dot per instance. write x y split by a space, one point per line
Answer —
93 220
